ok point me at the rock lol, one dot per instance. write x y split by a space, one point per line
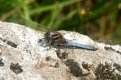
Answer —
22 58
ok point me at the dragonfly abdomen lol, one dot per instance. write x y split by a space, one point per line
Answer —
79 45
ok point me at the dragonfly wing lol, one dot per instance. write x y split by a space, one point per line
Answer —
79 45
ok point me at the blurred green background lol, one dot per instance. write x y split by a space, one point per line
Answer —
99 19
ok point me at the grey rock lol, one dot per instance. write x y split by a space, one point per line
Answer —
19 44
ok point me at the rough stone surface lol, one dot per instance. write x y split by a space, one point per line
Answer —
19 44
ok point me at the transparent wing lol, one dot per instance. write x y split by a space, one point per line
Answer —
30 23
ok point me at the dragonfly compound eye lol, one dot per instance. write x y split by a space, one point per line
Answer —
47 34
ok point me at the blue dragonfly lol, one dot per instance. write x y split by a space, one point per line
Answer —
53 38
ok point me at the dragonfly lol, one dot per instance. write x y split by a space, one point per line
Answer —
56 39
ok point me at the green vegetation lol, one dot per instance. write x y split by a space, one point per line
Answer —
100 19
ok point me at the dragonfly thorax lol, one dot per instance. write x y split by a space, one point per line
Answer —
54 38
